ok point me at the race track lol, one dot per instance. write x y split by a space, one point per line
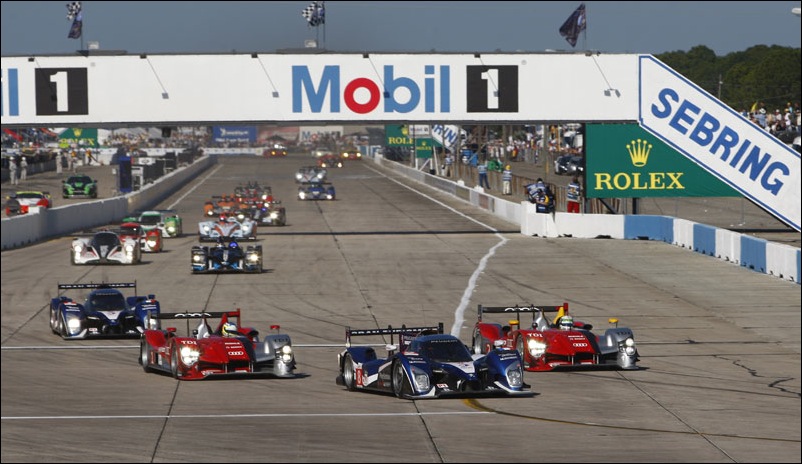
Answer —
719 344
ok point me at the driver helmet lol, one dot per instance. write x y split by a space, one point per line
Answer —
566 323
233 245
229 329
222 218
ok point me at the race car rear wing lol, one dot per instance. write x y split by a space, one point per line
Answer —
534 309
98 285
189 316
402 332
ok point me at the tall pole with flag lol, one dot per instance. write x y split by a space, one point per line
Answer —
76 15
315 15
575 24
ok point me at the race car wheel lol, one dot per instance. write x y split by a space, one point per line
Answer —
479 342
144 356
349 373
62 326
400 383
174 361
519 345
53 321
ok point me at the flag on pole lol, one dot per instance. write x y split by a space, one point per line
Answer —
574 25
75 14
315 14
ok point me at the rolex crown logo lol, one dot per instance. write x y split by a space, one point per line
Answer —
639 152
77 131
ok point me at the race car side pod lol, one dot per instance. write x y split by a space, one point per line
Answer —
403 330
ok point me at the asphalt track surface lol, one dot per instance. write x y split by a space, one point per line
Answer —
719 344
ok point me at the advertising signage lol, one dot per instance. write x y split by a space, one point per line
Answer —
625 161
231 134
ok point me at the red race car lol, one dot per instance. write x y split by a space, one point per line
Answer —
557 342
228 350
23 202
150 240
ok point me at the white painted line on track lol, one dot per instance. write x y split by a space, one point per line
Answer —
240 416
459 313
219 166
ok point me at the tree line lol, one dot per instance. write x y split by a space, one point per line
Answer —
768 74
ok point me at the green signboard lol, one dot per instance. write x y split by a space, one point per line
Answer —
397 135
625 161
78 137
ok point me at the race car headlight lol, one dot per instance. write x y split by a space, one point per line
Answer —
189 355
301 195
253 257
240 217
206 229
171 229
197 258
421 379
77 247
329 196
286 354
73 324
151 242
628 346
536 347
273 214
515 377
129 248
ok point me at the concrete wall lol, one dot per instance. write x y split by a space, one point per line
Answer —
775 259
53 222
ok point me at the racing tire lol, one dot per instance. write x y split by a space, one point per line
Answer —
519 346
53 321
349 373
144 356
62 326
479 342
174 361
400 383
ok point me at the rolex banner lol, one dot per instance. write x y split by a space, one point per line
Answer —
625 161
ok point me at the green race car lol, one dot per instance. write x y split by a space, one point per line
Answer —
79 185
166 220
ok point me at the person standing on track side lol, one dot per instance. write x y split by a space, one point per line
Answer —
573 194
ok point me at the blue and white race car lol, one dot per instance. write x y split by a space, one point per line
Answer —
429 364
227 227
104 313
316 191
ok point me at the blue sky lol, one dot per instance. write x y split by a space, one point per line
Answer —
654 27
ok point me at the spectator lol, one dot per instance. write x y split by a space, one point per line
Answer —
573 195
449 162
23 169
12 167
59 162
543 203
71 160
506 180
482 169
531 191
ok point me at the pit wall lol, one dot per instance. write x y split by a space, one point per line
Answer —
774 259
64 220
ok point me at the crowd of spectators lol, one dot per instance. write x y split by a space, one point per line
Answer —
783 123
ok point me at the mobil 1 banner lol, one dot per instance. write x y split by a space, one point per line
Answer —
625 161
720 140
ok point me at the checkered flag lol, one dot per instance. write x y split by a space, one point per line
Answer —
73 9
315 14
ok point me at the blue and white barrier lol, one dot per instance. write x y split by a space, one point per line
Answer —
757 254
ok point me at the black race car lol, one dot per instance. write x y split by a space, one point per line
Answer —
226 256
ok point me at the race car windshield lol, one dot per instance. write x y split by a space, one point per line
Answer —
445 351
105 239
107 302
149 220
79 180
